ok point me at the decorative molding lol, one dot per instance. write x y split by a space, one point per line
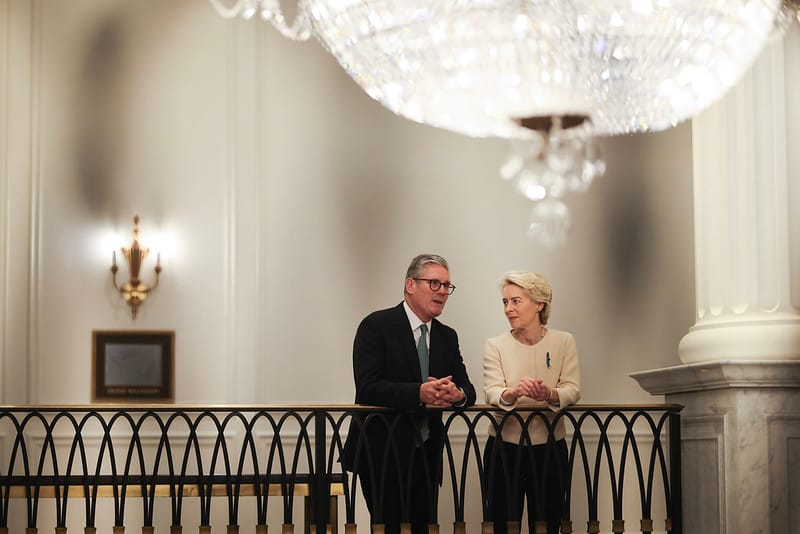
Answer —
242 240
19 110
705 376
5 80
229 234
783 444
706 430
35 201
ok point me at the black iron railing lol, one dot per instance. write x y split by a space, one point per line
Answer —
74 457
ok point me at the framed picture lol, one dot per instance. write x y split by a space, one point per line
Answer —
133 366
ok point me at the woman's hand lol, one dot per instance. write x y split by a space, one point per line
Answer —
540 391
528 387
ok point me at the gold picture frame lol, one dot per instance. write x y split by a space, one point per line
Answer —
133 366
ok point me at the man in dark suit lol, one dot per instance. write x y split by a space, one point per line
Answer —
397 455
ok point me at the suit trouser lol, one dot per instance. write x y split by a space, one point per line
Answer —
503 505
393 493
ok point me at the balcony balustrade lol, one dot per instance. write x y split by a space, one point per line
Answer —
161 467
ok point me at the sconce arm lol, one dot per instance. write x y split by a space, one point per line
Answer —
158 272
114 270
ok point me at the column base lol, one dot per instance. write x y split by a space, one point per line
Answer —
740 443
773 339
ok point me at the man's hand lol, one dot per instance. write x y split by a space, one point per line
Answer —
440 392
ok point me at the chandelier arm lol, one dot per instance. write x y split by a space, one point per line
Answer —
228 12
299 30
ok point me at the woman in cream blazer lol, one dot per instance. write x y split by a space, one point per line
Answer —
528 365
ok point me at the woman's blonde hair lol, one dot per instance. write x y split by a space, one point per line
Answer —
535 286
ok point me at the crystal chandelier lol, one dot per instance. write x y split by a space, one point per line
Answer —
553 73
479 66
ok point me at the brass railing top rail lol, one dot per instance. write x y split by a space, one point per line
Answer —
301 407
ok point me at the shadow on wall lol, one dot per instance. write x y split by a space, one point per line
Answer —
625 226
646 225
103 96
99 136
628 234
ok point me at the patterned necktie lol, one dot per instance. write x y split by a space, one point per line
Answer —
424 367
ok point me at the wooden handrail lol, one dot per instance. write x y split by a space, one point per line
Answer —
128 407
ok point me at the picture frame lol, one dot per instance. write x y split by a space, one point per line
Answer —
133 366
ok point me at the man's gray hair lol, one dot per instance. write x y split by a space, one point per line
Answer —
420 261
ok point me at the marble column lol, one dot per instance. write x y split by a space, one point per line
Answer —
740 378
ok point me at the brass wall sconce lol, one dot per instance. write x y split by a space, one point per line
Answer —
134 291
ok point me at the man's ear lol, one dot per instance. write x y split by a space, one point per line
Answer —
409 285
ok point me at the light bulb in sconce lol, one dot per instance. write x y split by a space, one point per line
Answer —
134 291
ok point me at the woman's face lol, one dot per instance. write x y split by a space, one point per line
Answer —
521 311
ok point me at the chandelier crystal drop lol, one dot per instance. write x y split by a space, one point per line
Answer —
299 30
545 172
551 169
549 223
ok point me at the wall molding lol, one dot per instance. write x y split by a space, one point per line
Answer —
20 109
5 79
35 201
783 443
242 206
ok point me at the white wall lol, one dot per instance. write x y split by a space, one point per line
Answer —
293 203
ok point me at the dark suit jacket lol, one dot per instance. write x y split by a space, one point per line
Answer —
387 373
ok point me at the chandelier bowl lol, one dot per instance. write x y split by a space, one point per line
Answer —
478 67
